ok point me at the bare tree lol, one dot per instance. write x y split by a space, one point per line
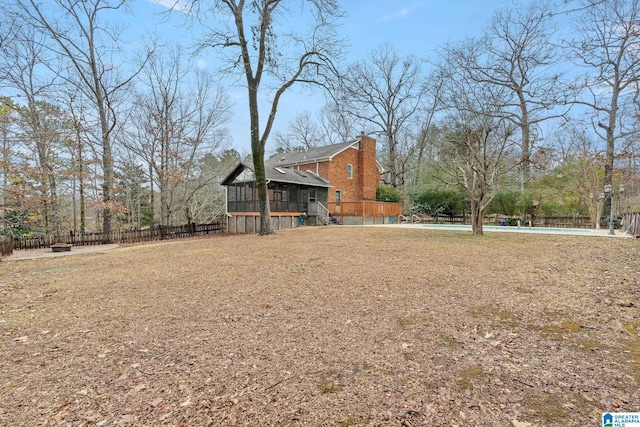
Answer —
131 178
8 31
208 198
337 125
43 126
79 154
161 115
302 134
256 35
424 137
384 91
478 151
85 44
7 118
607 46
575 157
40 120
517 54
175 125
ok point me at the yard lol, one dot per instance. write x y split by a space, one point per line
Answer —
329 326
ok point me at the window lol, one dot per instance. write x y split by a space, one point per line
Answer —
245 176
349 171
338 196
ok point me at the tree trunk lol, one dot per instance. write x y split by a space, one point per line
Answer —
525 165
261 187
101 101
392 163
257 150
477 213
164 203
152 222
83 213
107 169
55 211
5 178
610 151
53 196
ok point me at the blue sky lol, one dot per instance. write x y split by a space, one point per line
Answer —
415 27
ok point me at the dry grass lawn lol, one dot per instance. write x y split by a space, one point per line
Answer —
328 326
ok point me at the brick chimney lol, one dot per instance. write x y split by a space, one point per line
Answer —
368 174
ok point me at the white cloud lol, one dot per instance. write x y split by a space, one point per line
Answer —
179 5
201 63
404 12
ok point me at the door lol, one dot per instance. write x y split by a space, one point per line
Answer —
312 208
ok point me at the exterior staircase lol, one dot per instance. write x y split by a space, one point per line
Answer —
323 214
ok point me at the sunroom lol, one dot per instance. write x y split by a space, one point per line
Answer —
293 196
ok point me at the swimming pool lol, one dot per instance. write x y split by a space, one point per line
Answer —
513 229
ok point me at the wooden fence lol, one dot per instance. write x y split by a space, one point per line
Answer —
365 211
563 221
549 221
445 219
631 223
6 246
116 236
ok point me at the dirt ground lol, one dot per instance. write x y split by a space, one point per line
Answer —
330 326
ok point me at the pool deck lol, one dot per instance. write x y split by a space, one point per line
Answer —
507 229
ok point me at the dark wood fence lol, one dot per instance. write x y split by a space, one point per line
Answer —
6 246
116 236
549 221
563 221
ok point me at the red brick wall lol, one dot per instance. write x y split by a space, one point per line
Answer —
337 176
365 172
369 176
366 176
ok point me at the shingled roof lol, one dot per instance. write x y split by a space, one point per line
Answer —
320 154
280 174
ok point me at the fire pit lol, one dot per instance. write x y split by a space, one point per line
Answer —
61 247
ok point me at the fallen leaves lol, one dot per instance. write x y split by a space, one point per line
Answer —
362 326
155 402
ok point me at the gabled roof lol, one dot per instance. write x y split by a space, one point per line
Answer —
320 154
279 174
237 170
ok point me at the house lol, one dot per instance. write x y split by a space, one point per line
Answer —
332 183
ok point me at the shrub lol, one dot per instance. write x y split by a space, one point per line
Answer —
433 201
388 193
511 202
505 203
